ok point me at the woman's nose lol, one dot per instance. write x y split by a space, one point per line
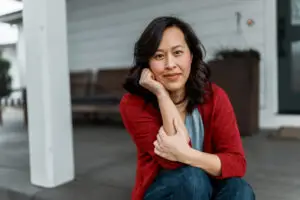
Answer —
170 62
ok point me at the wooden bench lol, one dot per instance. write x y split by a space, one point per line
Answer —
92 94
80 84
97 94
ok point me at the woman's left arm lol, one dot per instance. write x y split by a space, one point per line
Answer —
210 163
226 137
228 159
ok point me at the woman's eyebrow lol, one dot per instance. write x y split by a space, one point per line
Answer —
174 47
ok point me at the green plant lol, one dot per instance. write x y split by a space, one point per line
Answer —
5 78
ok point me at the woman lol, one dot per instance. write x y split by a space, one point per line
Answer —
184 127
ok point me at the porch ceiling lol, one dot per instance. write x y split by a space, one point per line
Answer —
12 18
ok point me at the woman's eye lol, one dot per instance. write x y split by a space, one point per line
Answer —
178 53
159 56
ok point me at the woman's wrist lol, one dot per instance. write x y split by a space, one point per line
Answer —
185 156
162 94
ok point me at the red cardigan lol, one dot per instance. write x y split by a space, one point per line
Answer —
221 137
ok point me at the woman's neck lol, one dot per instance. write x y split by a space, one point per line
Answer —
178 96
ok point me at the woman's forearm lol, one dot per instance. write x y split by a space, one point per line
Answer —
169 112
207 162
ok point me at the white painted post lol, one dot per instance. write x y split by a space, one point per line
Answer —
21 59
48 93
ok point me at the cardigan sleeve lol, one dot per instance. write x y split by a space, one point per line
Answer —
226 137
143 127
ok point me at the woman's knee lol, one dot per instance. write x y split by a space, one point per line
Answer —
185 183
187 174
238 188
195 179
195 175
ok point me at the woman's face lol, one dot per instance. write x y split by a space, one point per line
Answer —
171 63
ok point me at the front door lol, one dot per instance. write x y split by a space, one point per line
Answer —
288 24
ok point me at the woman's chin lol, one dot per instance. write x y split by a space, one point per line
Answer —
173 88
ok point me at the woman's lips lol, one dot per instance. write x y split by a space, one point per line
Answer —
172 77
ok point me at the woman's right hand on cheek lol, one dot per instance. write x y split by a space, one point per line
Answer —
148 81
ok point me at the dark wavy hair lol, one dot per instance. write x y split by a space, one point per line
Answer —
197 85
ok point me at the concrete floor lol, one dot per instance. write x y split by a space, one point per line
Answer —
105 165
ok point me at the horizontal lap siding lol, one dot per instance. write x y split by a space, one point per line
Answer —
101 34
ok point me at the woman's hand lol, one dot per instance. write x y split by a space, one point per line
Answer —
173 147
148 81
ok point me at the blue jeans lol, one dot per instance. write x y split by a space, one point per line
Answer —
194 184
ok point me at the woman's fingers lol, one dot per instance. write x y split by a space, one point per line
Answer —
160 152
161 136
162 131
145 77
157 152
157 146
159 139
142 79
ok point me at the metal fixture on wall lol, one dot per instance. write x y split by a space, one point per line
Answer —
249 22
238 22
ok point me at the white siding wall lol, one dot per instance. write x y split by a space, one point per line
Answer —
102 33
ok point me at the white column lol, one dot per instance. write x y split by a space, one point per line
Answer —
21 58
50 127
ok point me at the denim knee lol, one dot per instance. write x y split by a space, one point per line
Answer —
238 189
195 176
183 183
195 180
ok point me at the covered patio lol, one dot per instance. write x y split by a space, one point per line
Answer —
55 160
105 164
